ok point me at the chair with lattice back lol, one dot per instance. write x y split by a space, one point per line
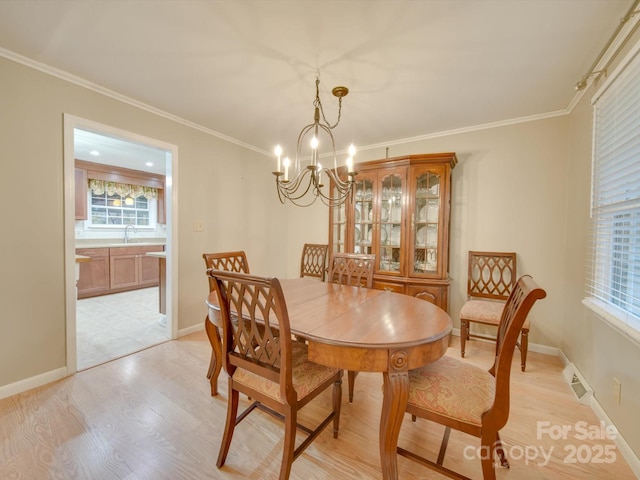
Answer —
354 269
314 261
468 398
264 362
232 262
491 277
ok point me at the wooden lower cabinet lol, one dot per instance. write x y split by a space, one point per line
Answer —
94 275
118 269
435 291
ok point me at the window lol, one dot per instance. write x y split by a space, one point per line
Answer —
115 209
113 204
614 277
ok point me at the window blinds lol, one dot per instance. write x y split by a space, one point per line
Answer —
614 273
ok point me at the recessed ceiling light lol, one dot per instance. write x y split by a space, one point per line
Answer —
95 153
149 164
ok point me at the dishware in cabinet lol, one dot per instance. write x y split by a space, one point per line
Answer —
428 235
389 221
363 216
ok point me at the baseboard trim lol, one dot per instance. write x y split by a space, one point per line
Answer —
627 452
192 329
48 377
32 382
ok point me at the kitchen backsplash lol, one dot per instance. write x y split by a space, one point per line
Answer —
117 233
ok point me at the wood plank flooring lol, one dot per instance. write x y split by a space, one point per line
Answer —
150 416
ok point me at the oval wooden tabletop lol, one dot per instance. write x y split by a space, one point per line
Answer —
350 316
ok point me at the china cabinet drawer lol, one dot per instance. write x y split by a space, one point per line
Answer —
436 294
388 286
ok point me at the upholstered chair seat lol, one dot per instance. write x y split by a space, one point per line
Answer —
453 388
306 376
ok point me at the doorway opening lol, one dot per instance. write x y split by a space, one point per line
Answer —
119 299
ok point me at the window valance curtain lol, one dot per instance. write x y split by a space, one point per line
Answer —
123 189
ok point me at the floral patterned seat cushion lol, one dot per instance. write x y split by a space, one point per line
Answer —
306 375
485 311
452 388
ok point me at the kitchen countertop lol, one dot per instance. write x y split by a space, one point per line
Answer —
157 254
116 242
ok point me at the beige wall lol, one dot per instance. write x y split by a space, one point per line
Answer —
599 351
227 186
523 187
508 194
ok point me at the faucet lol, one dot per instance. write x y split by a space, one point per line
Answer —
126 237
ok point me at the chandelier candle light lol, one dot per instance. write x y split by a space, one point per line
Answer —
307 178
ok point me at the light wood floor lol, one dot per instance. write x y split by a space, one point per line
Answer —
150 416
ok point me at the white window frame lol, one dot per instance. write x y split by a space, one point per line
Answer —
153 217
613 280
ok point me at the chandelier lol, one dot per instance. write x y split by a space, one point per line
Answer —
306 176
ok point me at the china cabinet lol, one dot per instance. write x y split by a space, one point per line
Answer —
400 212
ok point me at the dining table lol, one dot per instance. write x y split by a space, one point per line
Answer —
367 330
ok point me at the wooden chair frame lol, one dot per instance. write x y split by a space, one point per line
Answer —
490 278
355 269
259 359
524 294
313 262
233 262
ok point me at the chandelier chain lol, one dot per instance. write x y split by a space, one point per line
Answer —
318 103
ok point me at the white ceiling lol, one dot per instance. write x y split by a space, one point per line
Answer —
245 69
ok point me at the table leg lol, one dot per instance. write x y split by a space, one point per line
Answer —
162 286
396 393
215 365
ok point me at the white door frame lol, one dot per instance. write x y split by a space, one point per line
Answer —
70 123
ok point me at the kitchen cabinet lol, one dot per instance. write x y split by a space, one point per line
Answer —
400 211
85 170
94 274
117 269
162 210
130 268
81 186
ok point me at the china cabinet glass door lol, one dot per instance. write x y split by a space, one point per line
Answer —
425 216
364 214
389 220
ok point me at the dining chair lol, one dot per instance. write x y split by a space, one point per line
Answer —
490 279
355 269
233 262
265 363
314 261
459 395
